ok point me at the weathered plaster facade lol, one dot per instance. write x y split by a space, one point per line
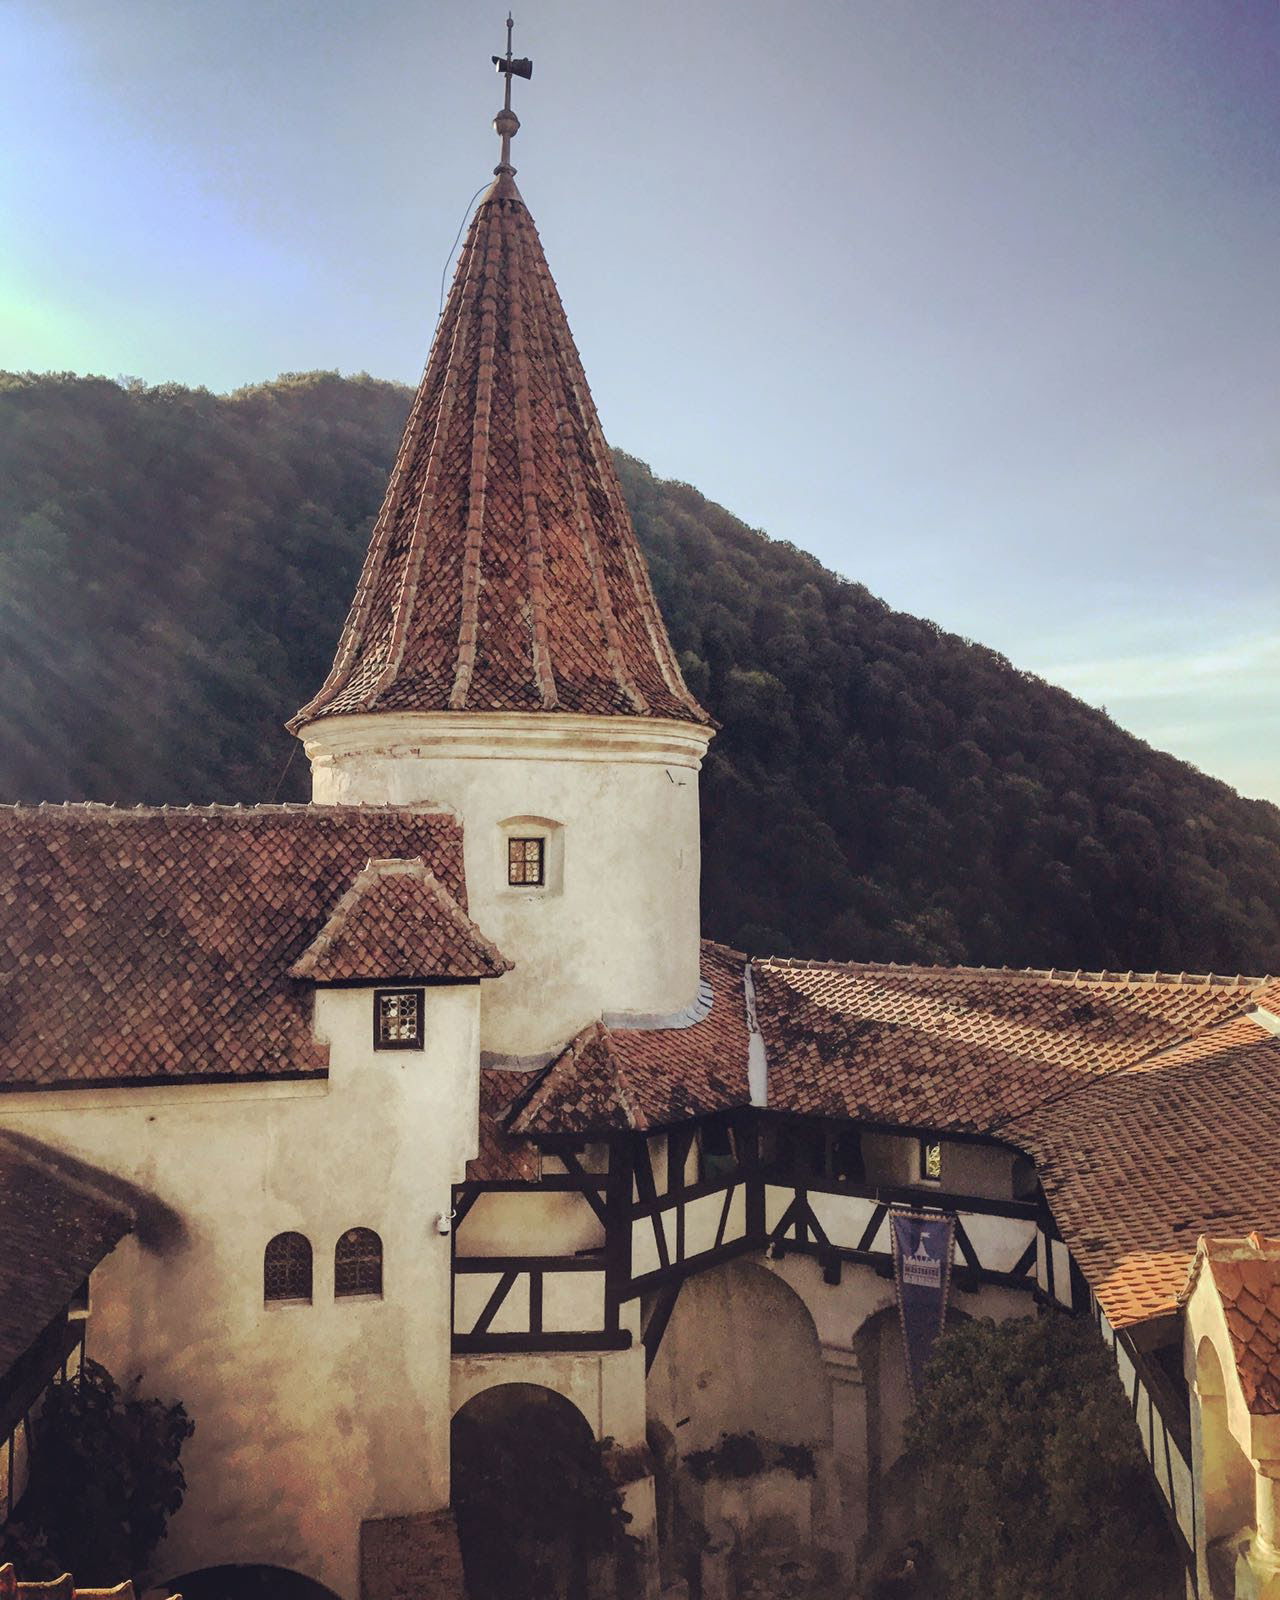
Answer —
615 928
310 1418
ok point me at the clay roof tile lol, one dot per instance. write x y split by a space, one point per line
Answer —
503 572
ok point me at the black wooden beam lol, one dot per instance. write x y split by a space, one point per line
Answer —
659 1317
494 1302
476 1344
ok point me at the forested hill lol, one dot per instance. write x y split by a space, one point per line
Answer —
175 567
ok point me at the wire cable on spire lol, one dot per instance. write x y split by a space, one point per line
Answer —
453 247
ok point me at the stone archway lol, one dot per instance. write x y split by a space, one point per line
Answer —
734 1329
740 1421
1226 1474
537 1517
247 1581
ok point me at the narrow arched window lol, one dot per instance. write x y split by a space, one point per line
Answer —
286 1268
357 1263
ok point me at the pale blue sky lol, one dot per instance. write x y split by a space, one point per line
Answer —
975 299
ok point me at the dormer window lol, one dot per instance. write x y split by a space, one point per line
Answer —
930 1161
527 862
397 1019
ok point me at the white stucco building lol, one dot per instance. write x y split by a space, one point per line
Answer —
432 1087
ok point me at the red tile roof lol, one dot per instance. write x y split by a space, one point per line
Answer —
1115 1084
614 1078
1246 1274
504 573
155 945
502 1156
56 1225
1137 1165
398 921
962 1048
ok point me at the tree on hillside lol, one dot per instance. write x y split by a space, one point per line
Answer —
1034 1480
174 571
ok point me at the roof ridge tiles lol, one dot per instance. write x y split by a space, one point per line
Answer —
1186 980
217 808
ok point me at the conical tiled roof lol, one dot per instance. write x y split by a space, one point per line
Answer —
504 573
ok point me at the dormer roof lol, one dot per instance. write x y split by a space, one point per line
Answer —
1246 1274
504 573
154 945
397 920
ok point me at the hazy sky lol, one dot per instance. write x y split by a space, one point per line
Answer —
978 300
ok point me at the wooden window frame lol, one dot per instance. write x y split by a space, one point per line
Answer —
418 1041
515 840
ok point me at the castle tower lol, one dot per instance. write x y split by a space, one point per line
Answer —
504 657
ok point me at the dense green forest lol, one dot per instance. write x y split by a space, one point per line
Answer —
174 570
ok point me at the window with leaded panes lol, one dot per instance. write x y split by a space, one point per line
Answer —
357 1263
526 862
286 1268
397 1019
930 1161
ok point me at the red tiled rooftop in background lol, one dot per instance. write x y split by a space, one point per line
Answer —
502 1156
615 1078
154 944
1246 1274
1137 1165
504 573
961 1048
398 921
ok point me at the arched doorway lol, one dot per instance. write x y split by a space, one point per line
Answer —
247 1581
538 1518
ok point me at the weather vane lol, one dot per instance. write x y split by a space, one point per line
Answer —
506 124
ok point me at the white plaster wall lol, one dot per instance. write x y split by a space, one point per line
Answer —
740 1354
309 1418
985 1170
977 1169
559 1223
617 929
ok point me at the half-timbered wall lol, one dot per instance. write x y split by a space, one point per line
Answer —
1164 1423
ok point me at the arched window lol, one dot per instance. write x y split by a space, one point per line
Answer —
357 1263
286 1268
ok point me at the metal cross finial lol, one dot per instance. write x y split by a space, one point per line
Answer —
506 124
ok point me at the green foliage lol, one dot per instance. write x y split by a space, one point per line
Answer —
175 567
105 1479
533 1501
744 1455
1033 1476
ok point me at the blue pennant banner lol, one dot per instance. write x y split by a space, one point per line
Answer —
923 1244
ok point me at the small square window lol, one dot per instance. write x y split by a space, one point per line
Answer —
526 862
397 1019
930 1161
